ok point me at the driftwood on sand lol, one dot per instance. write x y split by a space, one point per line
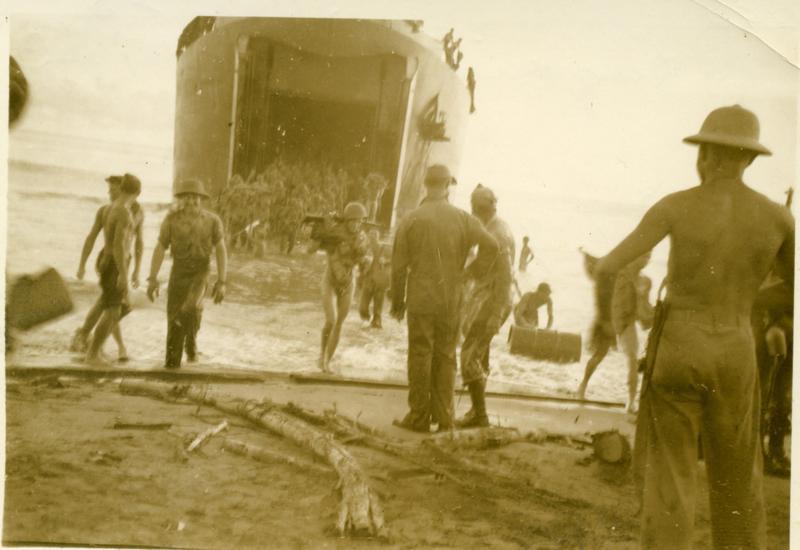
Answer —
360 511
356 432
266 455
206 435
477 438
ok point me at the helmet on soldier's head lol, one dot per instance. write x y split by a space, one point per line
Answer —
732 126
190 186
354 211
483 195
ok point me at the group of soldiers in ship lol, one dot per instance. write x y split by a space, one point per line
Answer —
271 205
720 343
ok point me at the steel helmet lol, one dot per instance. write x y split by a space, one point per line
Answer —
193 186
732 126
354 211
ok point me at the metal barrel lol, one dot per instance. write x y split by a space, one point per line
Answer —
545 345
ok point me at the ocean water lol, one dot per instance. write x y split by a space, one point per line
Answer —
51 208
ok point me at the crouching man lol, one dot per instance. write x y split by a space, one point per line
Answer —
192 233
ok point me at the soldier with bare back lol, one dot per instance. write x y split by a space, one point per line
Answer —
118 232
725 238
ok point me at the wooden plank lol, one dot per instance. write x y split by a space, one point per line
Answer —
157 373
333 379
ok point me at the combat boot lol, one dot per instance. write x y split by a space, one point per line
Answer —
476 417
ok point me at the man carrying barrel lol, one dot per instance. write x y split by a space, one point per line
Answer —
486 307
192 233
701 377
526 312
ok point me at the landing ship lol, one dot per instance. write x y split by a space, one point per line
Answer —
377 95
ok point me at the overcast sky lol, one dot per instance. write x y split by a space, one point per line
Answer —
573 97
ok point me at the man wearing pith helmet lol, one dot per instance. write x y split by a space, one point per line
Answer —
701 376
430 250
192 233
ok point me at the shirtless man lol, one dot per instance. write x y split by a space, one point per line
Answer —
526 313
725 237
625 309
80 339
346 247
118 229
525 255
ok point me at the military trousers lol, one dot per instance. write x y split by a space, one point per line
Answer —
477 343
704 382
431 369
372 294
187 287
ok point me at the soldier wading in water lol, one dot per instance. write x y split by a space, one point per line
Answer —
346 246
192 233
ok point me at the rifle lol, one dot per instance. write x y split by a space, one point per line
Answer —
789 195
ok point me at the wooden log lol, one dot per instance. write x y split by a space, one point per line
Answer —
265 455
611 447
360 510
478 438
353 431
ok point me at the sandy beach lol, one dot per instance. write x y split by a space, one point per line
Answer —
65 460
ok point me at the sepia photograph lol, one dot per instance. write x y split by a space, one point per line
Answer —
400 274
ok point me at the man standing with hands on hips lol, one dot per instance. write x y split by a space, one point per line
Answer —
192 233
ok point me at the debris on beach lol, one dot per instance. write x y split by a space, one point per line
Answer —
360 512
611 447
206 435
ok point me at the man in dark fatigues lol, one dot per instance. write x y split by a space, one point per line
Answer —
430 249
112 264
192 233
487 306
375 281
702 379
